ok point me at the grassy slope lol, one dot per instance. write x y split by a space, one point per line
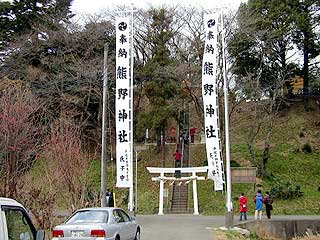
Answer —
285 163
289 164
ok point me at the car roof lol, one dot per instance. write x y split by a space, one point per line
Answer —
109 209
98 208
9 202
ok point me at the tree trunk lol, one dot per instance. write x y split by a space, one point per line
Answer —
266 152
158 140
306 64
251 148
265 157
253 132
163 148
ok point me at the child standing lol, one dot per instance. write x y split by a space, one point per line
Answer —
258 199
243 202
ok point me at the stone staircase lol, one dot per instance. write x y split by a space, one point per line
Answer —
179 203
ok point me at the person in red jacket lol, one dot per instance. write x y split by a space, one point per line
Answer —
177 156
243 202
172 135
192 133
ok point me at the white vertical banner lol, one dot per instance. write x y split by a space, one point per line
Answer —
123 98
210 100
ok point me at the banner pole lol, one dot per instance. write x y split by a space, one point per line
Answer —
104 130
131 203
229 216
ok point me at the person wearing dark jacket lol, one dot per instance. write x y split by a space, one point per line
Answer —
268 200
111 200
108 194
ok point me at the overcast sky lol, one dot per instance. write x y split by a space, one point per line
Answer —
97 6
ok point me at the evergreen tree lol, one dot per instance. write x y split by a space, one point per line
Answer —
160 87
261 43
260 48
21 16
306 18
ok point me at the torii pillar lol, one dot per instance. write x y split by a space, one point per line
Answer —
195 194
161 194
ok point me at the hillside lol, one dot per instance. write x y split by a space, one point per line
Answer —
293 128
288 163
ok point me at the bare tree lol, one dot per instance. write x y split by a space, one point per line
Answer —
19 136
68 163
262 111
40 199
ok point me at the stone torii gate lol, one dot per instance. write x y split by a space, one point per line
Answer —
192 171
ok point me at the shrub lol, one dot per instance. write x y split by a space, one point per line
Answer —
234 164
20 137
68 163
307 148
285 190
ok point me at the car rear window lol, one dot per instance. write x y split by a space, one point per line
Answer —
90 216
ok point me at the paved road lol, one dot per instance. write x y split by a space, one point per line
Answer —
190 227
176 227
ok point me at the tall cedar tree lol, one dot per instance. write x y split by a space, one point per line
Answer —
260 52
261 43
306 18
160 86
22 16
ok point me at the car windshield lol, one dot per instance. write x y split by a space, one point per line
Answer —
90 216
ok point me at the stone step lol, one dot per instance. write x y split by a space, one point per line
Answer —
179 205
180 197
180 194
185 203
181 186
177 194
179 200
185 199
181 189
179 209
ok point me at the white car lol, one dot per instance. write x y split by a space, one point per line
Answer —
15 222
98 224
